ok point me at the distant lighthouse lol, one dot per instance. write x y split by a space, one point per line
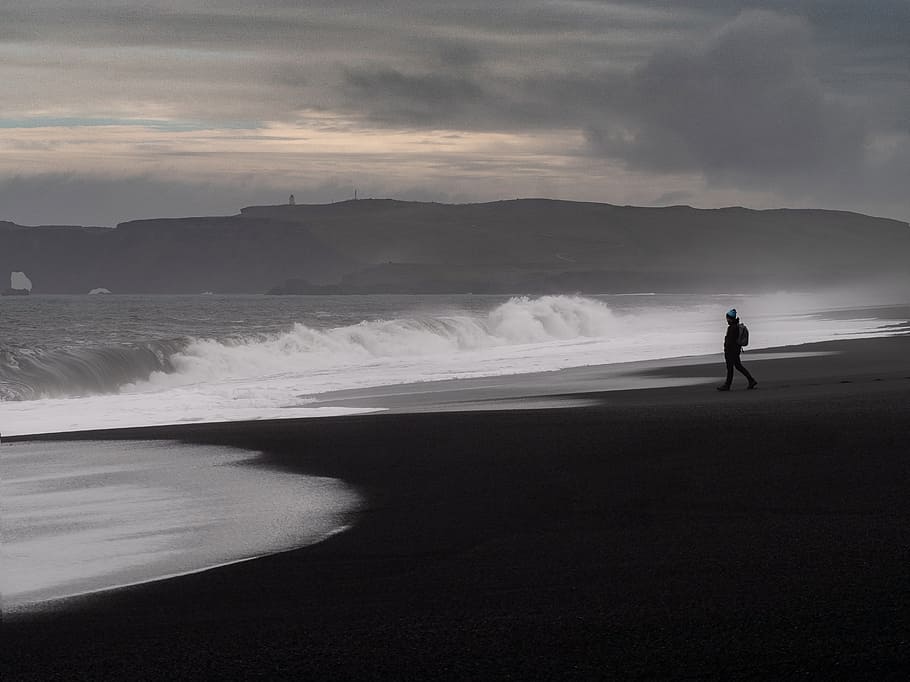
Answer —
291 201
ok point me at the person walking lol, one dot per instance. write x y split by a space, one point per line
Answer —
732 349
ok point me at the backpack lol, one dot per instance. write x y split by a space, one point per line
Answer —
743 335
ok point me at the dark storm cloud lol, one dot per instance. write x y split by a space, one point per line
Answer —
863 47
849 22
747 100
769 95
363 56
426 98
749 104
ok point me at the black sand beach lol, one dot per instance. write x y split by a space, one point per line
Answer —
672 532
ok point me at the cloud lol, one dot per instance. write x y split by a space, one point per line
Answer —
745 107
806 102
745 103
432 99
69 198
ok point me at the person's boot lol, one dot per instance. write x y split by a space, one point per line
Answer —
723 387
752 383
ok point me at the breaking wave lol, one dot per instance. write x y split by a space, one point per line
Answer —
29 374
33 374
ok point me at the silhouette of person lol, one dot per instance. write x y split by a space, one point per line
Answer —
732 350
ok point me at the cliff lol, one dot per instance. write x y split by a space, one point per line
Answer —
189 255
507 246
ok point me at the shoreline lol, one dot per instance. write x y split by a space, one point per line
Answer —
50 603
288 387
568 387
665 532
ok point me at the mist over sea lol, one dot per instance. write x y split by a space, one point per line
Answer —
80 362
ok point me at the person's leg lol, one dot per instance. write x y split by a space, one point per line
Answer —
731 360
739 365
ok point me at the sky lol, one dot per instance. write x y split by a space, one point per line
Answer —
115 110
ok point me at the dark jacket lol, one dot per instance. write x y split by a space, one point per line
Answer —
731 339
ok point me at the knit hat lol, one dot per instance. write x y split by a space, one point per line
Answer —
731 313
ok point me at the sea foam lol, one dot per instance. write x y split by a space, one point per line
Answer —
518 322
279 374
28 374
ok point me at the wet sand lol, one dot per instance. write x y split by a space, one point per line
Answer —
667 532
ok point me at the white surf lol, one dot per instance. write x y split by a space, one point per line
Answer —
278 375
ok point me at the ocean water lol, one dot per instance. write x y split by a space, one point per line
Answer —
82 517
71 363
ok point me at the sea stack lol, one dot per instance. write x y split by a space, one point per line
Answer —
19 285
